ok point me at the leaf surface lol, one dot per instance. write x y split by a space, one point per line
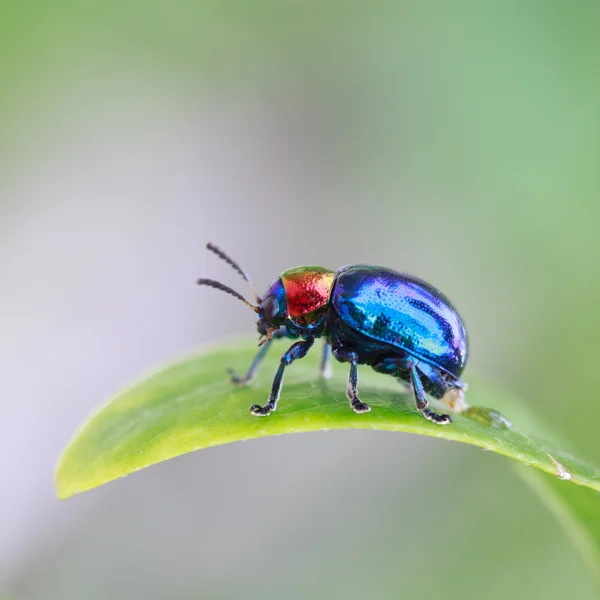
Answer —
190 405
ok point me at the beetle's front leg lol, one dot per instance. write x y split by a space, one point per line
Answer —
256 362
298 350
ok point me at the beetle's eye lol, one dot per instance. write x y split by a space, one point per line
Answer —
270 307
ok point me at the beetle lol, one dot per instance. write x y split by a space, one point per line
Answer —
395 323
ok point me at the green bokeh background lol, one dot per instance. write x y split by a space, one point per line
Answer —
458 141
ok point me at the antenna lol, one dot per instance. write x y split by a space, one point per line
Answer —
220 286
235 266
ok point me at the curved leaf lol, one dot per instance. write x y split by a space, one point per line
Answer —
191 405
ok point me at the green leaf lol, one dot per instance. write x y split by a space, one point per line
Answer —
191 405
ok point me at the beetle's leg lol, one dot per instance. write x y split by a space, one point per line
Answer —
325 367
352 391
350 356
252 369
435 384
297 350
421 400
451 393
256 362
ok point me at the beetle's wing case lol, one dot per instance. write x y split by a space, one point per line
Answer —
403 311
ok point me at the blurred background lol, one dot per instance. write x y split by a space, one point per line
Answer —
456 141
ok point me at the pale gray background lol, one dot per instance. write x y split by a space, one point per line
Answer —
393 144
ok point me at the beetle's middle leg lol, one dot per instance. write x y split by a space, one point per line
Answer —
297 350
343 355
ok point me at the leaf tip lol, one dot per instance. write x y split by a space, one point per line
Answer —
62 486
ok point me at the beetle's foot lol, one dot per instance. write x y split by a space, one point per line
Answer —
435 418
261 411
237 379
360 407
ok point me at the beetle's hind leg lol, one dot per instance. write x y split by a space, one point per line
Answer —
406 367
421 400
451 393
297 350
256 361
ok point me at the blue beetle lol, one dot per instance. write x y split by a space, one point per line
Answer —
393 322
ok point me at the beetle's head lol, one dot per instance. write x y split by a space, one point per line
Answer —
271 310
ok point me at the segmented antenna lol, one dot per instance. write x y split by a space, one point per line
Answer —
235 266
220 286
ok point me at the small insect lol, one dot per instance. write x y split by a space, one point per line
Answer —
393 322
